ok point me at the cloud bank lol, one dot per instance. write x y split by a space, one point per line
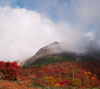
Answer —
23 31
85 28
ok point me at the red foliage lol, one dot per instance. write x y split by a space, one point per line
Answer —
8 70
64 83
64 74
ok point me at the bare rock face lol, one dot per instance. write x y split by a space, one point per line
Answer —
49 49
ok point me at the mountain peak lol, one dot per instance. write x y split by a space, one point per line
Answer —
54 43
52 48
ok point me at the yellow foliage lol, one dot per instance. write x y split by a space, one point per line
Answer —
59 79
50 80
76 82
89 72
57 85
93 78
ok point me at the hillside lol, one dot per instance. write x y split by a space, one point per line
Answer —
55 53
48 54
60 75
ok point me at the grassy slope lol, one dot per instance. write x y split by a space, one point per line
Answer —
54 58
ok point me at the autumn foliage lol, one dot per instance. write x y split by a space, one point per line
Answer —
8 70
60 75
63 75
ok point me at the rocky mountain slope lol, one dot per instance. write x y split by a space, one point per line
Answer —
54 52
53 48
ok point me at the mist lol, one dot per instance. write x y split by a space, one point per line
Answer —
85 29
24 31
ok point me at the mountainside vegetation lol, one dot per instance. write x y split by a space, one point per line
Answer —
58 75
52 58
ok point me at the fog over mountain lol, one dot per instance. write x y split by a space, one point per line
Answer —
24 31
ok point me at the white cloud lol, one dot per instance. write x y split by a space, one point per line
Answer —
87 11
86 15
73 38
23 32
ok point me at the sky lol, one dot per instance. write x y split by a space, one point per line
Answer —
27 25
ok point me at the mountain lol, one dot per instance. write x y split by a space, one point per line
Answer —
50 53
54 53
49 49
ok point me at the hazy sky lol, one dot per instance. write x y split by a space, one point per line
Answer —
27 25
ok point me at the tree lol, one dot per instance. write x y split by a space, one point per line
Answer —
8 70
